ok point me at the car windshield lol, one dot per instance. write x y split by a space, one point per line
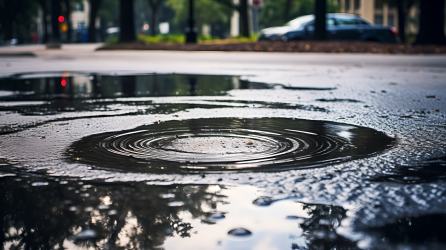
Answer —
300 21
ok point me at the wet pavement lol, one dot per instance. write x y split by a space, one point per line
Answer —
306 152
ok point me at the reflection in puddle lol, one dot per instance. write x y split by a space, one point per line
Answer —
424 232
74 214
62 96
229 144
64 85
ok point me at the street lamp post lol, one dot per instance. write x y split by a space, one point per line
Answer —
191 30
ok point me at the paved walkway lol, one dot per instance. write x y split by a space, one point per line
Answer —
293 69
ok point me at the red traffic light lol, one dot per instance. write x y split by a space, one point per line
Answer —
61 18
63 82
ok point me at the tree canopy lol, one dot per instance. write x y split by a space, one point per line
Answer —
206 12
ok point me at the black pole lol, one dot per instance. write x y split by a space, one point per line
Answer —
191 31
67 16
431 29
320 30
54 41
127 23
401 19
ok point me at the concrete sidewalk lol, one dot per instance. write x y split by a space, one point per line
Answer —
21 49
291 69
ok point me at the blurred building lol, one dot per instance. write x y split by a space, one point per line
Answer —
79 16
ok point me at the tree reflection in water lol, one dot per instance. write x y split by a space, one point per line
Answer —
44 217
319 228
37 213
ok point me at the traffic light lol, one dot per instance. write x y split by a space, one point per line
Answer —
63 27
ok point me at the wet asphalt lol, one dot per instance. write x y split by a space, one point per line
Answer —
376 197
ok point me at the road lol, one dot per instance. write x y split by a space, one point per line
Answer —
401 96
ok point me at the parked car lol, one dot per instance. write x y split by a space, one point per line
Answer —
339 27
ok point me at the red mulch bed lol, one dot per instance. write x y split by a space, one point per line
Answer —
300 46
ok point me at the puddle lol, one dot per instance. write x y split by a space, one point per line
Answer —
62 96
79 215
338 100
265 144
217 162
77 86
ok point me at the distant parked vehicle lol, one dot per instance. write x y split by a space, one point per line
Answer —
339 27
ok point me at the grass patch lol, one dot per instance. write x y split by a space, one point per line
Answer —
167 39
180 38
203 39
112 40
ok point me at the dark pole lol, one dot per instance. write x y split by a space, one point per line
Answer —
401 19
127 23
320 31
54 41
94 8
431 29
192 80
244 22
45 21
68 17
153 21
191 31
44 6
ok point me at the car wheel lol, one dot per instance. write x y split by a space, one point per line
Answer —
284 38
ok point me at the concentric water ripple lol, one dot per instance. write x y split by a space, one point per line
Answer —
266 144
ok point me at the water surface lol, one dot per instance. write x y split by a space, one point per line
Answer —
90 159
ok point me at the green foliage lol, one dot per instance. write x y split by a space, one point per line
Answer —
274 11
206 11
167 38
238 39
112 40
109 10
180 38
411 38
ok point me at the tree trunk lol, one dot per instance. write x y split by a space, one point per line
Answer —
286 13
154 6
9 13
431 29
320 30
244 19
94 8
191 34
401 20
153 22
68 14
43 3
127 24
55 13
8 30
128 85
